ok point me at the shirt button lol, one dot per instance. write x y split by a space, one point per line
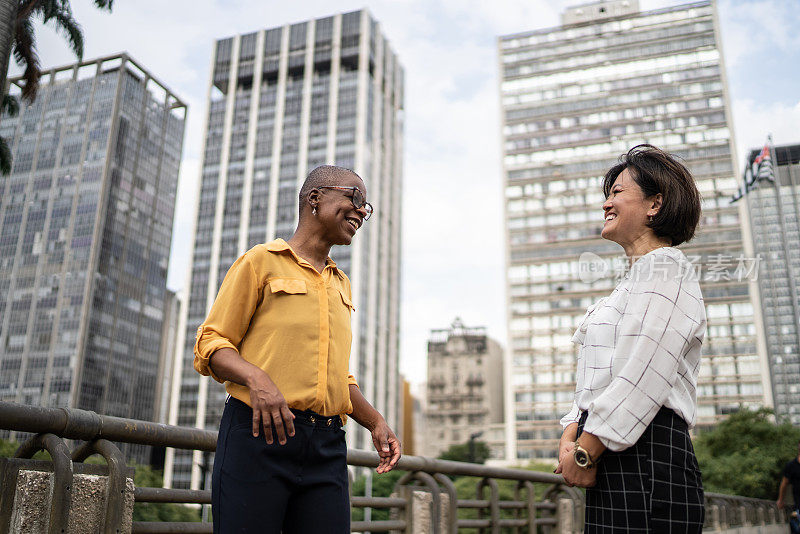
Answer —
311 418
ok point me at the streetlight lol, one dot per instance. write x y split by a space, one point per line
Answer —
472 438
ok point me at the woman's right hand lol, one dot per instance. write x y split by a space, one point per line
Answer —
266 400
269 407
565 450
567 444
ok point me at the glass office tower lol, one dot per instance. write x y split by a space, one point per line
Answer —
283 101
85 229
774 209
574 98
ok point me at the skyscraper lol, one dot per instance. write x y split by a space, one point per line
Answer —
85 230
774 210
574 98
281 102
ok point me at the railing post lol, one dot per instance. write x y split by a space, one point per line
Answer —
426 511
449 514
564 513
494 503
61 492
119 508
773 517
530 502
745 522
715 523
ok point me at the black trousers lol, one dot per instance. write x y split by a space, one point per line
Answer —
300 487
652 487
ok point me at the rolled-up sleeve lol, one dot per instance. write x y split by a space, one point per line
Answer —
230 315
652 338
573 416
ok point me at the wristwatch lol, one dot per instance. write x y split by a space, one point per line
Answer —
582 457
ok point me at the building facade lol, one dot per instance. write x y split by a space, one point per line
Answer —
574 98
85 231
464 389
774 211
281 102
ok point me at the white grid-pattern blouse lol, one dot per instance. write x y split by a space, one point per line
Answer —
640 350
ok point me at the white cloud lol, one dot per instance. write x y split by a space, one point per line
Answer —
758 29
755 119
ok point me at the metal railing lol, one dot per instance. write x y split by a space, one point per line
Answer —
541 502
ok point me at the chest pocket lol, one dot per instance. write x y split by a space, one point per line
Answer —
347 302
290 286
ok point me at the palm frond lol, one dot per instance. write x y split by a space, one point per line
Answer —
5 157
26 56
9 106
104 4
49 8
26 8
71 30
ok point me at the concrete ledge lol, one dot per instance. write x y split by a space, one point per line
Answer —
27 499
766 529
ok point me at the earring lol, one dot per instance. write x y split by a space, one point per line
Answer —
314 212
650 217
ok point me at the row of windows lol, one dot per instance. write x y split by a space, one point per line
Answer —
542 37
656 33
616 146
604 56
635 67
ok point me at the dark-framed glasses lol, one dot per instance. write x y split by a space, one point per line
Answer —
357 198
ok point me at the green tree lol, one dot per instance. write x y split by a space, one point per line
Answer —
382 486
146 476
462 453
8 448
19 38
745 454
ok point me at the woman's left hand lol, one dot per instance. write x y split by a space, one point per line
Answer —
577 476
388 446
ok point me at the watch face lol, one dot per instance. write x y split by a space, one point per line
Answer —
581 458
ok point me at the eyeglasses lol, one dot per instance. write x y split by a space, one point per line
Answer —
357 198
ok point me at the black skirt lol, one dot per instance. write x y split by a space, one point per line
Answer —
652 487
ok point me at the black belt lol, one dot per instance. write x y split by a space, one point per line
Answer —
313 418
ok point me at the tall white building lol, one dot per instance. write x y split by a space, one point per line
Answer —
574 98
282 101
774 210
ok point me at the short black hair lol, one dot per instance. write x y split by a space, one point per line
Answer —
655 171
322 175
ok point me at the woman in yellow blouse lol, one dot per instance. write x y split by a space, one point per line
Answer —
278 335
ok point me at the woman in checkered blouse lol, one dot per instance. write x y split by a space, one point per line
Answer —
626 438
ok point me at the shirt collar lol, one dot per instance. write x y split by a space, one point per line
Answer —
279 245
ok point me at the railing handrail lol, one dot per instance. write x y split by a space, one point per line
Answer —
74 423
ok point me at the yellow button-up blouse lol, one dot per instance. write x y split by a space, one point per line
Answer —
286 318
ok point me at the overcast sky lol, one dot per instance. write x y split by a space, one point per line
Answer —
453 249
